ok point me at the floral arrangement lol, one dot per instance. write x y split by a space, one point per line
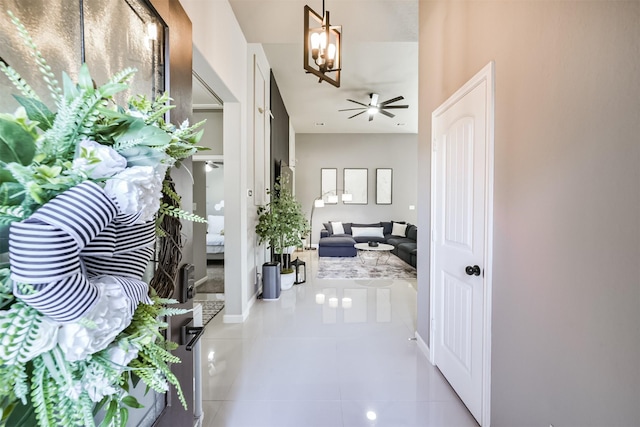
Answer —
80 208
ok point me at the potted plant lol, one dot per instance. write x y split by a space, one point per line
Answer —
281 224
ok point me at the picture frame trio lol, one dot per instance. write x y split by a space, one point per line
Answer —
355 182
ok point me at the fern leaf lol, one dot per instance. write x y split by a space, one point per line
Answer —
20 325
176 212
170 311
18 82
45 69
170 192
12 212
38 393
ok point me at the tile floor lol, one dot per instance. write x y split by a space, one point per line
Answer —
301 362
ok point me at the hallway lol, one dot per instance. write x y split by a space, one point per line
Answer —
299 362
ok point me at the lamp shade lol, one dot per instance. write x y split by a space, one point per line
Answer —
318 203
347 197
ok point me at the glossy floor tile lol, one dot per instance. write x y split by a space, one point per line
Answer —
328 353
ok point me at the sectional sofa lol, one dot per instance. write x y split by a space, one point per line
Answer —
337 239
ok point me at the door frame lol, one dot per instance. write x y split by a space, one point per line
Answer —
486 74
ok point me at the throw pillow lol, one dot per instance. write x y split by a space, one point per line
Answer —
337 228
399 230
327 226
367 232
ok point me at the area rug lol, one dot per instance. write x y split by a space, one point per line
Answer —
215 280
354 268
210 309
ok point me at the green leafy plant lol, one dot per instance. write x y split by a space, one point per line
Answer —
44 152
281 222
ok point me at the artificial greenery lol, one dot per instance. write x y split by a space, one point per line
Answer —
281 222
37 145
47 389
38 148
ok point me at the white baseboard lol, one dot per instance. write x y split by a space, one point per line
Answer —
423 347
240 318
234 318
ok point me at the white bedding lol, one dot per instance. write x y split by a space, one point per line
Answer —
215 240
215 234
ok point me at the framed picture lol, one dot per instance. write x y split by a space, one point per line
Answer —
355 184
329 185
384 186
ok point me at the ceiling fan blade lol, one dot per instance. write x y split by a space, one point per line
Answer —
359 103
387 107
357 114
351 109
371 117
389 101
387 113
374 99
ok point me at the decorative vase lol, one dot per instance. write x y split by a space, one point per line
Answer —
287 280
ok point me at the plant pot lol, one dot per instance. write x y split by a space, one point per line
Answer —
287 280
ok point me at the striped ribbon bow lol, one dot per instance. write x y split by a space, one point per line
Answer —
66 247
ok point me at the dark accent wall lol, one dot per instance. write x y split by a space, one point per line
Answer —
279 131
180 87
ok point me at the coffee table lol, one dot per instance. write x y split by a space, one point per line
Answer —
381 250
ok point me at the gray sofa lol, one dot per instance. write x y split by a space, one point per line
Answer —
342 245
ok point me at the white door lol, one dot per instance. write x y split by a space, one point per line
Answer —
461 187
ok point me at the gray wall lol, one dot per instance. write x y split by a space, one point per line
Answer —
566 291
212 137
371 151
199 229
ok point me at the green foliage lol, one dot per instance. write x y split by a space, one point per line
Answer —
43 67
176 212
152 364
281 223
52 388
20 326
38 146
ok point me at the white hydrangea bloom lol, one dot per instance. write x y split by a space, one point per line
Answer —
98 328
137 189
97 160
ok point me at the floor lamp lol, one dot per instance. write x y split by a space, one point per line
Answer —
319 203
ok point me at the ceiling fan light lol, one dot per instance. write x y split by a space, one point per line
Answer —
372 110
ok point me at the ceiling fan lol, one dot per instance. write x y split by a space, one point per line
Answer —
374 108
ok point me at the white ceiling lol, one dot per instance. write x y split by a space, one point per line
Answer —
380 55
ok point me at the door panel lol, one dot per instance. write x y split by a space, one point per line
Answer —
456 336
458 226
458 152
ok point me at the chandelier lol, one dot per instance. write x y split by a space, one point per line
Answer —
322 49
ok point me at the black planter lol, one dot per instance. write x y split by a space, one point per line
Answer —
284 259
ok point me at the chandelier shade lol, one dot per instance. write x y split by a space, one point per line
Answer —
322 46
